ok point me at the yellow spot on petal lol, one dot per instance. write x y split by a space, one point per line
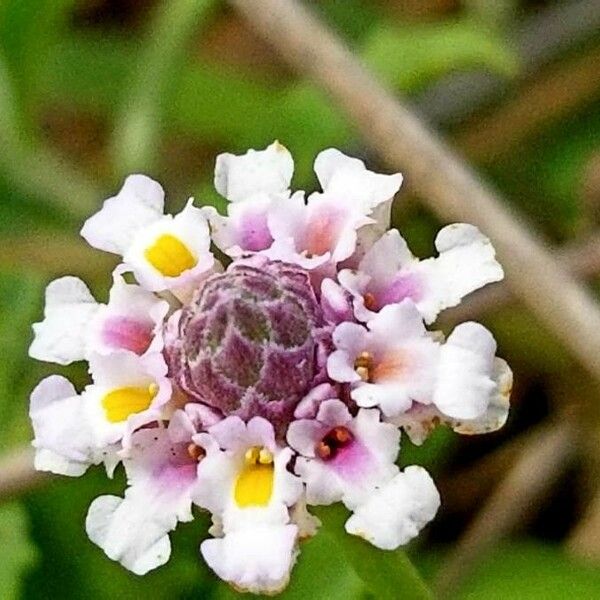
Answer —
170 256
254 485
125 401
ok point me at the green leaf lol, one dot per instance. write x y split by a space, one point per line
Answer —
385 574
19 553
73 568
31 167
411 56
138 125
532 571
20 297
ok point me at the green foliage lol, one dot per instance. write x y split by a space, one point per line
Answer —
18 554
20 297
137 128
412 55
533 571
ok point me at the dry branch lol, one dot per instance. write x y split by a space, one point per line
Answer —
544 458
544 36
17 474
448 187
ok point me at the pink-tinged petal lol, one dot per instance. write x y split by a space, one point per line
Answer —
139 203
352 463
270 171
340 367
307 407
63 439
465 382
287 219
61 336
256 559
134 530
260 433
334 413
304 434
331 227
346 458
382 276
388 255
253 232
126 333
230 433
350 337
335 302
401 287
397 511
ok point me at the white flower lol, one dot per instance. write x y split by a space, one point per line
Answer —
162 251
64 439
420 420
343 457
244 482
395 363
396 512
390 364
255 173
161 474
75 325
75 431
389 273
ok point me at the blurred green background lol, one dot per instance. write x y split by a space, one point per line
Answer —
91 90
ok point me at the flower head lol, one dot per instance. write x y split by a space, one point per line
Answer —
250 341
279 382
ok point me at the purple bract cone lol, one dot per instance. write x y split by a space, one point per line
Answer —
250 341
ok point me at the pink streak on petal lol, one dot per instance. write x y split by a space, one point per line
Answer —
351 461
178 472
323 231
127 333
254 234
404 286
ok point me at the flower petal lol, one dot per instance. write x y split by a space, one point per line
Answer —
465 382
61 336
397 511
139 203
64 440
348 178
465 263
238 178
256 559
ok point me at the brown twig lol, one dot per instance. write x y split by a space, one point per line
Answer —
544 36
17 474
550 96
447 186
543 460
